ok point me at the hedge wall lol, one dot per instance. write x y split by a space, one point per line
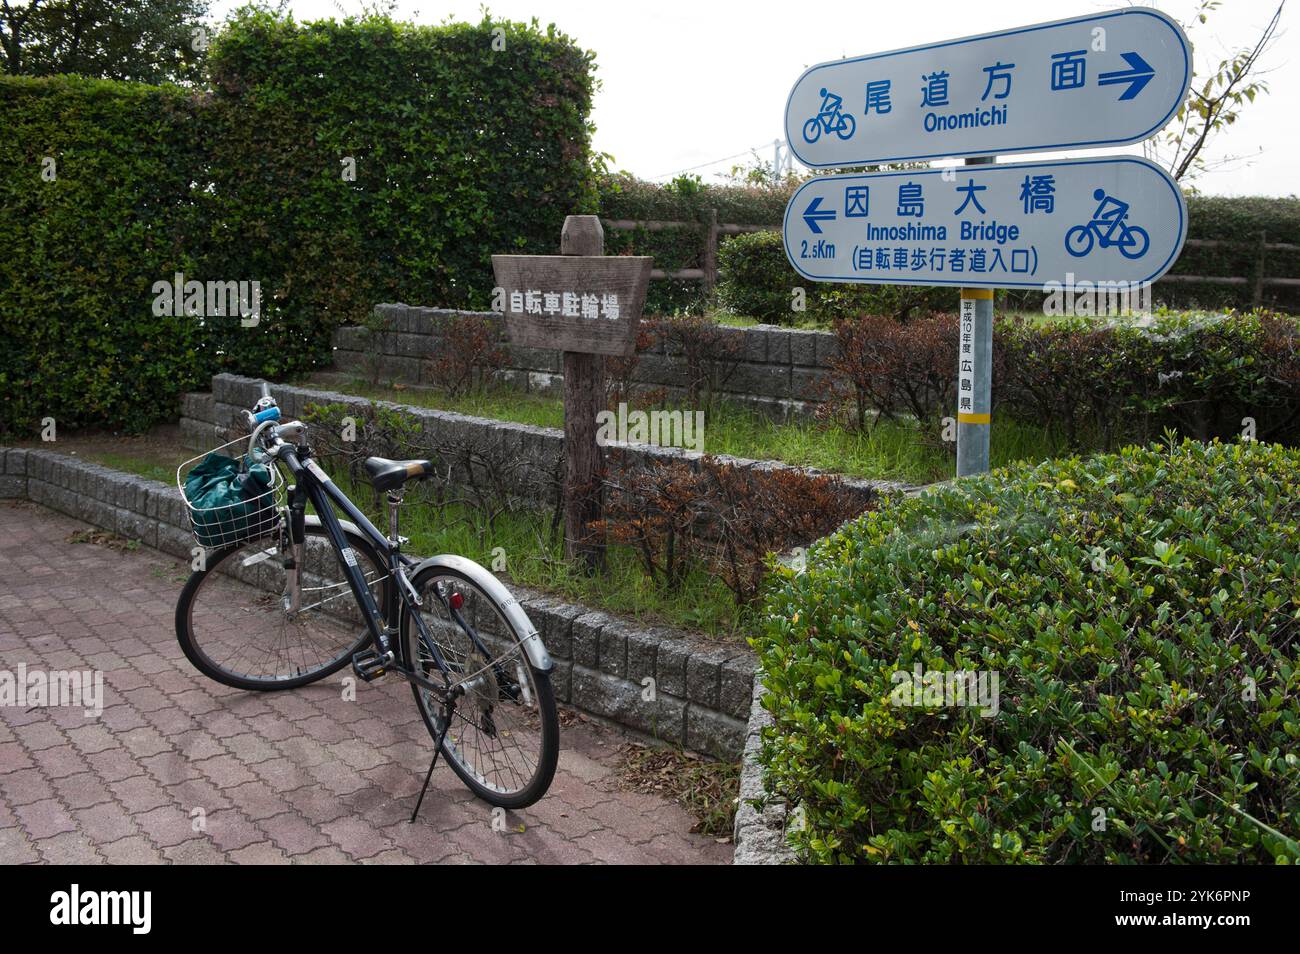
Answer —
81 343
683 200
461 150
1140 611
1239 220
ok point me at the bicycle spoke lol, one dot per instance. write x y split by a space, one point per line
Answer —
239 623
495 734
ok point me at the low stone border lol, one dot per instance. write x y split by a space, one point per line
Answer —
700 694
205 418
778 370
759 835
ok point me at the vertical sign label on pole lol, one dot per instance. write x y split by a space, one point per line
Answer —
974 381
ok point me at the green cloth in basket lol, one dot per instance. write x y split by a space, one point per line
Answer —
228 501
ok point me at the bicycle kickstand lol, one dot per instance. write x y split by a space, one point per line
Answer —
437 748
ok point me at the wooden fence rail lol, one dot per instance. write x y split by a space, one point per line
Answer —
713 230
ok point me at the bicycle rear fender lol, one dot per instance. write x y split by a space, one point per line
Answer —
538 657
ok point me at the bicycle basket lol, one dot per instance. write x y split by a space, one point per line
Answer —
230 499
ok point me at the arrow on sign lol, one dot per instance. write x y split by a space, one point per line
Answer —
1137 77
815 213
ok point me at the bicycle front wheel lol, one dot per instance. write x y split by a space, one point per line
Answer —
234 626
504 734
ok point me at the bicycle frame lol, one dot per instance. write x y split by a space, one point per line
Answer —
312 484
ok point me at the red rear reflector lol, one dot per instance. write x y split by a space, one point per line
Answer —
457 601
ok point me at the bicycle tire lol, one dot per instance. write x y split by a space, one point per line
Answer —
1086 233
202 660
456 755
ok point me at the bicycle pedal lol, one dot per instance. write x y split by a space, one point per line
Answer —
370 665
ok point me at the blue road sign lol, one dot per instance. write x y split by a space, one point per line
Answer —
1107 220
1101 80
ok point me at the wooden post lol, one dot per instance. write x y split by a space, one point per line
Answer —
1257 298
711 253
584 398
585 304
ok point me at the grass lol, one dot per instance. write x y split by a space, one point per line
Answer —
891 450
520 547
144 467
501 405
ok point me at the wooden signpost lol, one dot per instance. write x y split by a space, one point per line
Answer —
588 306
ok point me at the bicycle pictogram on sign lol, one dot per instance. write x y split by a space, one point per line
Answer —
830 119
1108 229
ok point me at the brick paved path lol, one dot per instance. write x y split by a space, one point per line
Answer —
294 776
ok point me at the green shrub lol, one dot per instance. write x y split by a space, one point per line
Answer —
1095 384
460 150
83 240
687 200
1205 376
752 284
1141 611
756 280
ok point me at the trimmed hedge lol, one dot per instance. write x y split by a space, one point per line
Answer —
461 150
685 199
1142 612
1241 221
81 343
751 284
1097 384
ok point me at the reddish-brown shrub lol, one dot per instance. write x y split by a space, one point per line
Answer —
679 513
469 354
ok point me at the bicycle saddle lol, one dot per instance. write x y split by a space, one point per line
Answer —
390 474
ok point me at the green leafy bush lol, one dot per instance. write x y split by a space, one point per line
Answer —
756 280
752 284
1095 384
1206 376
1141 611
336 164
96 205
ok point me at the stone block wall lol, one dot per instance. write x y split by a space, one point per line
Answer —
779 369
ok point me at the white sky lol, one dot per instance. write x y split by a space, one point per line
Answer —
693 82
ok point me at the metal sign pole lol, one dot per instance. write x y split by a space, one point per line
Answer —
975 374
974 381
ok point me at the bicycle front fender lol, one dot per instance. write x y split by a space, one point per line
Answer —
538 657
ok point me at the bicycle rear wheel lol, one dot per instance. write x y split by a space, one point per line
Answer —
504 736
233 626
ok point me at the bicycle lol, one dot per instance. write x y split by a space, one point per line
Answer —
830 118
269 609
1133 240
